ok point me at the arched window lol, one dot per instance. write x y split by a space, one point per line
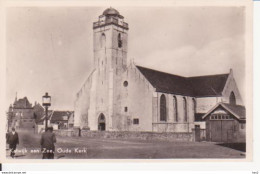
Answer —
232 98
194 105
175 108
163 108
119 39
185 109
103 40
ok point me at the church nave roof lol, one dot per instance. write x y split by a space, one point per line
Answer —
200 86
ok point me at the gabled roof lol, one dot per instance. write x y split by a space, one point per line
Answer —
237 111
38 112
38 106
61 115
199 86
22 103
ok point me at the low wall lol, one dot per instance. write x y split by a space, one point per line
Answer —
66 132
165 136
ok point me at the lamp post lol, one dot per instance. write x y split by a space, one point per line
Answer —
46 101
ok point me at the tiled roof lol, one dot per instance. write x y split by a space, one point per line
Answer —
199 86
60 115
238 110
208 85
168 83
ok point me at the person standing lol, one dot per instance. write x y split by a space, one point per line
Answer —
13 141
48 139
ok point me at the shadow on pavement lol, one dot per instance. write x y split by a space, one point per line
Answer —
236 146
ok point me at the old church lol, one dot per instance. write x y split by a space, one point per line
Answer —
117 96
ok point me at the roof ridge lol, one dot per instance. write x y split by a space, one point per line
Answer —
208 75
180 75
160 71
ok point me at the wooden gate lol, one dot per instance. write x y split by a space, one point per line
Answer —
216 130
221 130
227 131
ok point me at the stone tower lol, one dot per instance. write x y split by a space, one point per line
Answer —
110 41
110 61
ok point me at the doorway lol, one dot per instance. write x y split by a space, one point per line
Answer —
197 133
101 122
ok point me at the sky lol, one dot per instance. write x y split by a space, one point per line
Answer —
50 49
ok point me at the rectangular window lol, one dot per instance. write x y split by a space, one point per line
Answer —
126 109
136 121
242 126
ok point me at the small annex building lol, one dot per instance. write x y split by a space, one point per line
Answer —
226 123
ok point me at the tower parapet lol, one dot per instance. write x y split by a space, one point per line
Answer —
110 16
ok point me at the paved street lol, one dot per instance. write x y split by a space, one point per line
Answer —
85 148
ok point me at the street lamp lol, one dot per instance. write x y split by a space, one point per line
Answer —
46 101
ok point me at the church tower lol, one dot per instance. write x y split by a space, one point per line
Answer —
110 61
110 41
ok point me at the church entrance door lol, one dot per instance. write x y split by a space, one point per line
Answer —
101 122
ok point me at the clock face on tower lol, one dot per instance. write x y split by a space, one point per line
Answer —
119 39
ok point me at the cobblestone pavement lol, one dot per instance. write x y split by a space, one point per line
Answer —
93 148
